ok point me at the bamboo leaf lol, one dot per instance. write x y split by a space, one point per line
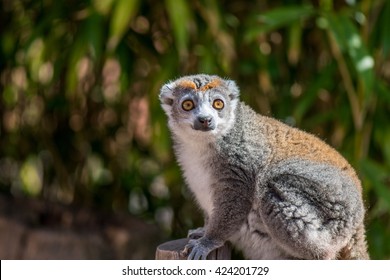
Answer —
325 81
180 17
376 174
76 53
349 40
123 12
295 40
385 29
382 90
277 18
94 25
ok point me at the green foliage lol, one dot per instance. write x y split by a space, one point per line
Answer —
80 118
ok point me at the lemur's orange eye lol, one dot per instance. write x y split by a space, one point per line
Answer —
187 105
218 104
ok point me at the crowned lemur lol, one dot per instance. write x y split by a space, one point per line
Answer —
274 191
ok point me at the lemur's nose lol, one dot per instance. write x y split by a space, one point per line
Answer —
205 120
204 123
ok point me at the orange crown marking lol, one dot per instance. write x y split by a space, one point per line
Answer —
190 84
214 83
187 84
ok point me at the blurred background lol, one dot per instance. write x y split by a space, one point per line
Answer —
86 162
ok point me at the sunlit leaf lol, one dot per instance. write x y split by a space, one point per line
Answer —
31 175
103 6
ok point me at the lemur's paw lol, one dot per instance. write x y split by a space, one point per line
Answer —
200 248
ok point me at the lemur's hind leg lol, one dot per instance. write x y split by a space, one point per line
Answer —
310 219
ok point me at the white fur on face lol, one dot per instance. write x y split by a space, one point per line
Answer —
191 144
203 88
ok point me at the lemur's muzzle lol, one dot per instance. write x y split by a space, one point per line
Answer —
204 123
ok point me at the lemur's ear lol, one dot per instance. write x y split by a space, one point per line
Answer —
234 92
166 97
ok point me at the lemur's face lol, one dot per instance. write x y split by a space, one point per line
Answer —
199 103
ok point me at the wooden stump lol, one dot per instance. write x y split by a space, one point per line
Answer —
172 250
